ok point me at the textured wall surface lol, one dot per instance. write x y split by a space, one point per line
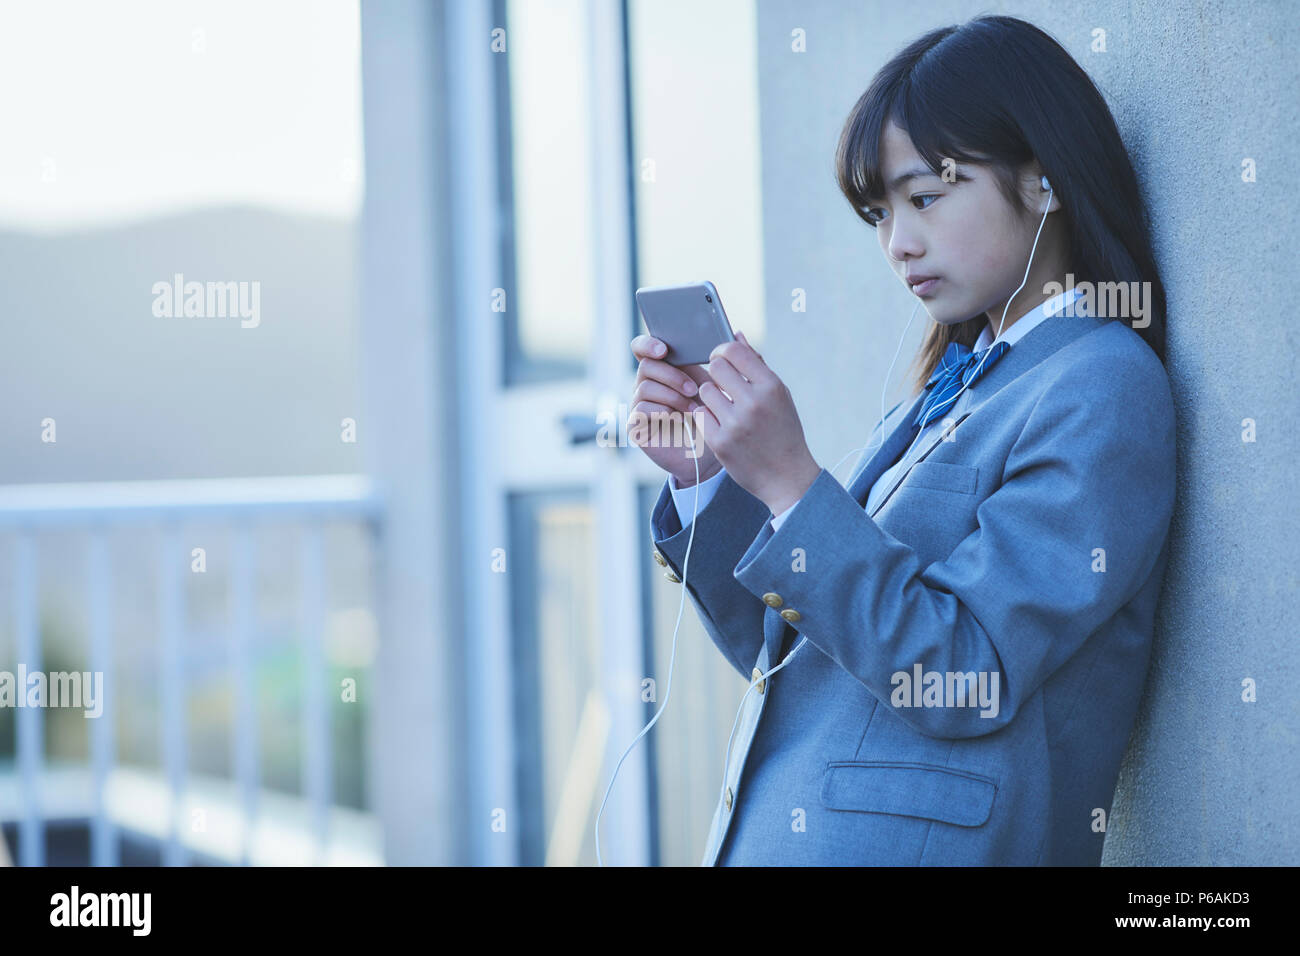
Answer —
1195 89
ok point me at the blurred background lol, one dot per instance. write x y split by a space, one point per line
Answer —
216 511
312 313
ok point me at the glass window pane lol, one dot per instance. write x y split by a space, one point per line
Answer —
546 137
695 150
561 722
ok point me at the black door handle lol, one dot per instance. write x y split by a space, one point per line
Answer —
581 428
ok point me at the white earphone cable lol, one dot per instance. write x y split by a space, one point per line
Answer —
672 657
883 390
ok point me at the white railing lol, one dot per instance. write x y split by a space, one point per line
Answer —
241 503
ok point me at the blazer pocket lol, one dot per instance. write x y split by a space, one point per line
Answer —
909 789
943 476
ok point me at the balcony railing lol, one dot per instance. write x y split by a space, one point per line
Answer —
239 808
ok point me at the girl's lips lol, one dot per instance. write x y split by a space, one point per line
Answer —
925 287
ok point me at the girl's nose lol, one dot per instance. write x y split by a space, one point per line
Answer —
903 242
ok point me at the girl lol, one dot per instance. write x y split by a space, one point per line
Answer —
963 632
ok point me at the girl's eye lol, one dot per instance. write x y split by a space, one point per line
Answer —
874 212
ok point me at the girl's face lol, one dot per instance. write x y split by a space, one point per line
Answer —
965 234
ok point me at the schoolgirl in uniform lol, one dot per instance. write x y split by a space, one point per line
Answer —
946 656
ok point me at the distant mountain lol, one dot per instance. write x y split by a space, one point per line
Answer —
138 396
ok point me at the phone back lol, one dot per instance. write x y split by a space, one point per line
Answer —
689 319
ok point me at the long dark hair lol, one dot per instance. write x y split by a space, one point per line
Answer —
999 91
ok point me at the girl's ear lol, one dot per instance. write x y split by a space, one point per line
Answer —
1042 190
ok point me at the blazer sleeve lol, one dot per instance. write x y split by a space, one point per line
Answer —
1093 468
732 616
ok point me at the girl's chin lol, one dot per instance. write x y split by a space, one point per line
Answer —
947 316
948 313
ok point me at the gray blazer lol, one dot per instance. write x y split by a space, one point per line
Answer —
1021 553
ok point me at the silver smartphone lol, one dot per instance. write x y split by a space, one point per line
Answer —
689 319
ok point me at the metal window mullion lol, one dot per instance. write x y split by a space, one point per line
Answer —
626 828
474 238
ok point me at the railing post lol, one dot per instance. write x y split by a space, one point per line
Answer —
103 740
97 508
173 564
315 711
243 575
29 721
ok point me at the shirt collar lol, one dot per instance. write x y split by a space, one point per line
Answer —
1026 322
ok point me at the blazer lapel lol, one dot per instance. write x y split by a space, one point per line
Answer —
1041 341
899 432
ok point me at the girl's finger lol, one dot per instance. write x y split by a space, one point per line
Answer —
651 408
742 358
716 402
647 346
652 391
667 374
647 417
726 376
707 425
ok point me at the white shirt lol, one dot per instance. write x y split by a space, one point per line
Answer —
684 498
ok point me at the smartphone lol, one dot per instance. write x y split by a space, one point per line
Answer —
688 319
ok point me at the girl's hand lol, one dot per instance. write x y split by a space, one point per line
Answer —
753 428
662 404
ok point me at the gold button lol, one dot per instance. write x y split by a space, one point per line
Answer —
659 559
672 577
772 600
728 800
791 615
755 676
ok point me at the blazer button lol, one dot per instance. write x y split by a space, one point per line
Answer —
659 559
772 600
727 801
672 577
755 676
791 615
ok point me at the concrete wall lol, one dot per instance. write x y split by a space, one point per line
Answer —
1195 88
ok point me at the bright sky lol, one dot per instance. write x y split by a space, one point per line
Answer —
125 110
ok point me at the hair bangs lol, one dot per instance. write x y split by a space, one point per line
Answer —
925 92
